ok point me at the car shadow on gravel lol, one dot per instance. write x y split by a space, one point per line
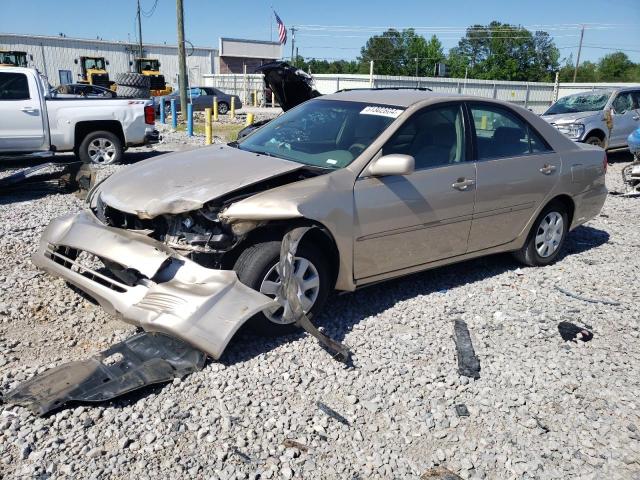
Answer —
619 156
344 311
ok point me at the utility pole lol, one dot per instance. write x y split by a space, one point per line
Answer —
182 59
293 41
575 72
140 29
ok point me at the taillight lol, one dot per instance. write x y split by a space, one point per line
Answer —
149 115
605 162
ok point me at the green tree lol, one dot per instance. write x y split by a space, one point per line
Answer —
500 51
421 54
388 51
614 67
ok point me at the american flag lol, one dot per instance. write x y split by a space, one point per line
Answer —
282 30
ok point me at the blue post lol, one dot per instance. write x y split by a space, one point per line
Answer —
163 120
174 116
190 119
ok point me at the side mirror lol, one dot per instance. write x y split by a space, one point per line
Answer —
394 164
107 62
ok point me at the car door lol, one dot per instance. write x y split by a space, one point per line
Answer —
21 120
415 219
203 100
516 170
626 116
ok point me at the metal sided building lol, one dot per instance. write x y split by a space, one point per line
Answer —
237 54
56 57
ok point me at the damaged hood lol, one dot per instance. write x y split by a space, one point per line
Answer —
184 181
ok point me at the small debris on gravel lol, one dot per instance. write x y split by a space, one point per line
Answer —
399 397
468 362
570 332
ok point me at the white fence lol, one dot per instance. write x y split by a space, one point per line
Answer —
536 96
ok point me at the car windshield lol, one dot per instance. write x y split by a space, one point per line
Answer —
587 102
322 133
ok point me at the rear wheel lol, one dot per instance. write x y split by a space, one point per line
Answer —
101 147
546 237
257 268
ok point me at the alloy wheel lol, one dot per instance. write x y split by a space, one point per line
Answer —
102 151
549 234
307 274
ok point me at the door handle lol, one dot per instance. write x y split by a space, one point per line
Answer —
548 169
462 184
29 109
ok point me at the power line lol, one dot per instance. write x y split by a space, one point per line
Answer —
151 10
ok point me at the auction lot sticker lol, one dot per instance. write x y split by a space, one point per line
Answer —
382 111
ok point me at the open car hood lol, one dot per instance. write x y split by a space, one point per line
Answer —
290 85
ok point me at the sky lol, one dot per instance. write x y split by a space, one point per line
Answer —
332 29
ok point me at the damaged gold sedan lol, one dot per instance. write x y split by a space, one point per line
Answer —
390 181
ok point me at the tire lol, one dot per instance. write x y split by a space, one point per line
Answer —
593 140
546 237
124 91
92 146
223 108
256 264
133 80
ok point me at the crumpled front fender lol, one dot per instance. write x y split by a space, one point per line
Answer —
178 297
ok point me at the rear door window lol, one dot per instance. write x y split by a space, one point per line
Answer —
14 86
500 133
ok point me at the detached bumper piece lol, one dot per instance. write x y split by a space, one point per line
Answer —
631 179
142 360
71 177
292 293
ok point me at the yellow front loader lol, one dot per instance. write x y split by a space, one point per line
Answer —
150 67
94 72
13 58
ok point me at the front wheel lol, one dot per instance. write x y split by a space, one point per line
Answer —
546 237
257 268
593 140
101 147
223 108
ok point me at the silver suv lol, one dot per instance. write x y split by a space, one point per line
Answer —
581 116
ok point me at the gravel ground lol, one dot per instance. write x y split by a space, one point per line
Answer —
542 408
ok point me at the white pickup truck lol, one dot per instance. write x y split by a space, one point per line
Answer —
32 120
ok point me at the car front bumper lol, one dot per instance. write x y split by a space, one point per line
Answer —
172 295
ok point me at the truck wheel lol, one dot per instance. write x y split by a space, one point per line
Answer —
256 268
124 91
593 140
546 237
133 80
101 147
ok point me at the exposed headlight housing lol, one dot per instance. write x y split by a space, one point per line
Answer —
244 226
572 130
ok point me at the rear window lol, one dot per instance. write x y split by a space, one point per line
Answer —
13 86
